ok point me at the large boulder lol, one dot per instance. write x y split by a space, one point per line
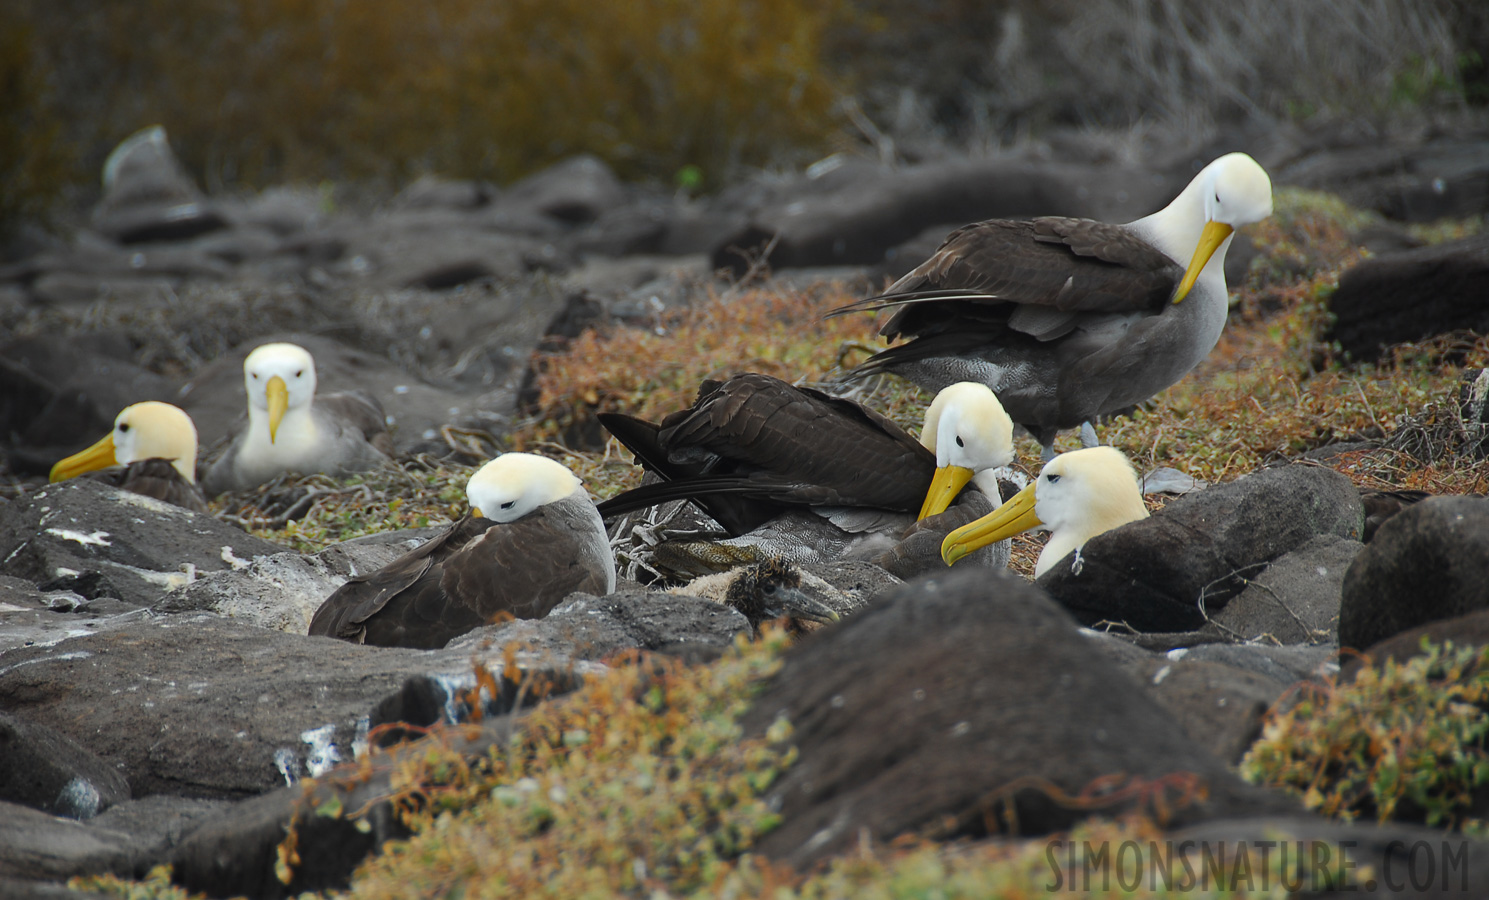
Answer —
1410 296
1296 599
201 706
1429 562
1172 571
60 393
966 702
147 195
284 590
122 545
47 770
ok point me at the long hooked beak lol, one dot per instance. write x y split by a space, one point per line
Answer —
945 485
98 456
279 401
1014 517
794 602
1210 240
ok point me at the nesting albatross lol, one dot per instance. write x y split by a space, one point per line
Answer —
290 429
1070 319
754 451
532 537
1078 495
156 443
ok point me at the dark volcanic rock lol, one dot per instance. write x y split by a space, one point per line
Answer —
1467 630
202 706
147 195
578 190
867 212
1429 562
48 771
959 701
1410 296
140 547
284 590
59 394
1153 574
41 847
1296 600
126 840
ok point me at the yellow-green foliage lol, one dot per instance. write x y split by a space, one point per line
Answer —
264 89
1406 740
640 781
649 373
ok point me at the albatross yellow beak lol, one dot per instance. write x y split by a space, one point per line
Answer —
98 456
279 401
945 485
1210 240
1014 517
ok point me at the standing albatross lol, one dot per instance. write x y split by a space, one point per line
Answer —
531 538
156 443
290 429
1070 319
1078 495
754 449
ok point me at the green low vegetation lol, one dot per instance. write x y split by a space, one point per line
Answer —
1402 741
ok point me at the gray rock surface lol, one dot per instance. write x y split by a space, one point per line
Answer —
138 547
1429 562
959 704
1153 574
201 706
1411 295
47 770
284 590
1296 599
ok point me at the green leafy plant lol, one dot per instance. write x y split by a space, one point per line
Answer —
1404 741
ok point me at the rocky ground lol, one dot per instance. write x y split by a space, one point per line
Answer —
162 704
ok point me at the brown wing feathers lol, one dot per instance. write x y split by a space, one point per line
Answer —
780 446
1069 264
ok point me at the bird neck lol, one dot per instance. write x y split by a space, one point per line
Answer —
1176 229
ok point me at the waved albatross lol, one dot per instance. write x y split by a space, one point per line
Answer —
531 538
290 429
156 443
1078 495
754 449
1070 319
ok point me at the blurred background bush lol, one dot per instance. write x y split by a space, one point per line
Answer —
260 91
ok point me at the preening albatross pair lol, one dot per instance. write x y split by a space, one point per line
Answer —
532 536
753 450
1071 319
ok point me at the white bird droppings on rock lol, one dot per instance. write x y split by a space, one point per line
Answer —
97 538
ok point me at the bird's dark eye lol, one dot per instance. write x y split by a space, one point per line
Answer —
255 375
123 426
1052 478
768 588
299 373
959 441
509 504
